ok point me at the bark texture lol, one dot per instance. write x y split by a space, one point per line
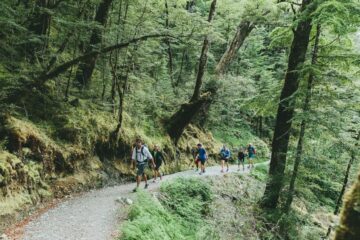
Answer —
305 108
285 111
243 30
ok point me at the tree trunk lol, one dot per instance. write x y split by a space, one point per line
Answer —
203 58
39 26
86 67
286 109
306 108
187 112
350 215
243 30
65 66
169 50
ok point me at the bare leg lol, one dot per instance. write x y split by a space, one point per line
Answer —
222 165
227 165
138 180
145 178
154 175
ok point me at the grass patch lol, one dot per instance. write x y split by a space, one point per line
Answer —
178 214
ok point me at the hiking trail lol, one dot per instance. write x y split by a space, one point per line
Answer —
96 215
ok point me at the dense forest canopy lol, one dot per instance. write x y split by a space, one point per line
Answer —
285 71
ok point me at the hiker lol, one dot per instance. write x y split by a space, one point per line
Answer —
202 157
194 153
159 158
141 156
251 155
225 156
241 159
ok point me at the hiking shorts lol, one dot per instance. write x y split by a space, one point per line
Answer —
202 161
224 159
158 165
141 169
251 156
241 160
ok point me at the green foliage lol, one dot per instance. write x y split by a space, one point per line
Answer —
188 198
179 214
150 220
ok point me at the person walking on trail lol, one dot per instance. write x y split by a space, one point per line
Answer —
241 159
141 155
202 157
194 153
251 155
225 156
159 158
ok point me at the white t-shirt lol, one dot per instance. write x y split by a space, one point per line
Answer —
139 156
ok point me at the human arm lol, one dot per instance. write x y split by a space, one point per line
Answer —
149 156
133 159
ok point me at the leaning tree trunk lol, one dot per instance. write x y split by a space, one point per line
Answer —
86 67
286 110
243 30
306 108
350 215
241 34
177 123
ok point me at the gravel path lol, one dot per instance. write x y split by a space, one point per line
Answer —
95 215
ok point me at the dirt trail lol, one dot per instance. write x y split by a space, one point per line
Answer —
95 215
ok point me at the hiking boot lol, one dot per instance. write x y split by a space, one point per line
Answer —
222 171
227 170
200 173
146 186
135 189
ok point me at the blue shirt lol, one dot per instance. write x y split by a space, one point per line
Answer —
202 154
251 151
225 152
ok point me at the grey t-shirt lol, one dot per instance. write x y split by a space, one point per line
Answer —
141 155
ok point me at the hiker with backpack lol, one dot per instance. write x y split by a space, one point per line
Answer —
202 157
225 156
141 155
241 159
251 151
159 158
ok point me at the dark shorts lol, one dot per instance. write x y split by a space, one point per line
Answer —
141 169
241 160
202 161
224 159
158 165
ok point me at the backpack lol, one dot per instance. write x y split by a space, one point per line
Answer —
142 153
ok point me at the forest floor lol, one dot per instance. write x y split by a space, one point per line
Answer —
93 215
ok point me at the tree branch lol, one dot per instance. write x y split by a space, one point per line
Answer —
63 67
